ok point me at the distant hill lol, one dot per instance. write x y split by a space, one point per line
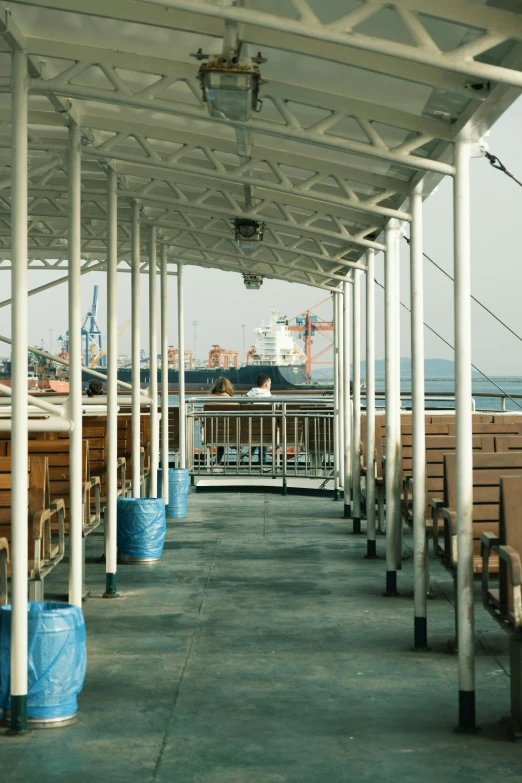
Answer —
433 368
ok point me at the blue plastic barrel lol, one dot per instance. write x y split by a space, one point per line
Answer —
142 526
56 662
179 485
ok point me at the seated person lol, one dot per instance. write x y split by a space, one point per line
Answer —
221 388
262 387
94 389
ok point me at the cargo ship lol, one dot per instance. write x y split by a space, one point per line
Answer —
275 353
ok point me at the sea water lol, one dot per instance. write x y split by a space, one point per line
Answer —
511 385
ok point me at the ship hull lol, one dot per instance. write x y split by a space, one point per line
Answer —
284 378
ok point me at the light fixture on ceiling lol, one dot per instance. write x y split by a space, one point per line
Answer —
230 85
248 233
253 282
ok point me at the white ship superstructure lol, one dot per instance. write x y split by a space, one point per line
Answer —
275 344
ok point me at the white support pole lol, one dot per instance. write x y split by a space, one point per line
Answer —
75 370
398 463
336 394
465 607
181 372
390 296
153 365
112 386
420 553
371 545
164 378
345 315
356 440
135 350
19 459
342 414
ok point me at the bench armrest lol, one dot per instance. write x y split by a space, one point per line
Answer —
436 506
512 559
436 503
58 509
488 541
450 535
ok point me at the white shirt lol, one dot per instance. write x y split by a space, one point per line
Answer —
257 392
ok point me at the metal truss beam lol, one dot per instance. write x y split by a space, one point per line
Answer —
131 11
290 126
499 26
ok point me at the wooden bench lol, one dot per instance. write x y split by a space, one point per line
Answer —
44 552
488 468
436 447
237 431
95 432
57 453
505 603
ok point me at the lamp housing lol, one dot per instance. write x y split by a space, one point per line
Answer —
253 282
230 87
248 233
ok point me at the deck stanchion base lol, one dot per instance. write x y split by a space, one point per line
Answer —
110 586
347 510
420 633
391 584
19 722
371 550
356 527
467 719
336 494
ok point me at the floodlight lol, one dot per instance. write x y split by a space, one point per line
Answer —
253 282
230 87
248 233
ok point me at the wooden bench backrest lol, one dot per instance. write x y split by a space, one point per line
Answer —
38 495
505 443
487 470
56 453
231 429
510 531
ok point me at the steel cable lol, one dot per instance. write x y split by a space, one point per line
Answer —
431 329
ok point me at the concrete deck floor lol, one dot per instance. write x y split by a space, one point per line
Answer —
260 650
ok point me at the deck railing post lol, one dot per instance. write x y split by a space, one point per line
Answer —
347 402
342 412
391 349
418 424
164 377
75 370
398 461
181 373
112 386
19 459
466 654
153 368
371 545
135 350
356 429
335 297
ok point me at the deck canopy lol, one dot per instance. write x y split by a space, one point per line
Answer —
358 101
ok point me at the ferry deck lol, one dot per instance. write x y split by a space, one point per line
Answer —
295 627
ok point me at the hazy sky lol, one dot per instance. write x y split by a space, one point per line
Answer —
221 304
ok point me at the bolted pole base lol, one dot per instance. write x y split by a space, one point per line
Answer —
391 584
420 633
467 722
18 717
347 510
371 550
356 527
110 586
336 494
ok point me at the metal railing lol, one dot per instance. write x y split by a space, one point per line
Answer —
265 438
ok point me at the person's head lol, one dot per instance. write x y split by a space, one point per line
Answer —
94 389
223 387
263 381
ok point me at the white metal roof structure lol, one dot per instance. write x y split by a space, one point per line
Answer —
360 101
363 107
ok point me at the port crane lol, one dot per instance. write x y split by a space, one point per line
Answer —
307 325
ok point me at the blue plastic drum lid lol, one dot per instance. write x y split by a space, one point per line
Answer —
142 526
56 659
